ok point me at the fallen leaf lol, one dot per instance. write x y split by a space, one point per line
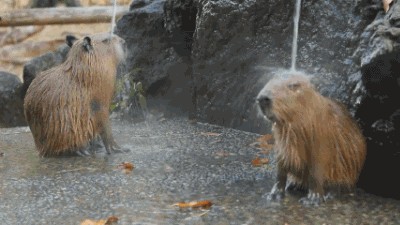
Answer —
386 4
210 134
194 204
126 166
259 161
265 143
1 154
110 221
92 222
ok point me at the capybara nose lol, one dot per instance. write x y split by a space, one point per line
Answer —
264 102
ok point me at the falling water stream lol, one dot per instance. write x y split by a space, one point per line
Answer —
295 34
113 18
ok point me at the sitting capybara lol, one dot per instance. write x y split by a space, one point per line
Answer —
67 106
318 144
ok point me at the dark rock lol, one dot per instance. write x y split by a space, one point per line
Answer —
11 111
153 60
379 113
378 53
238 45
41 63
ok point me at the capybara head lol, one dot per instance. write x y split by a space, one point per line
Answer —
87 49
285 98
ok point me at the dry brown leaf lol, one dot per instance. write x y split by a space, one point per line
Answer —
210 134
110 221
386 4
264 142
93 222
259 161
194 204
265 138
127 167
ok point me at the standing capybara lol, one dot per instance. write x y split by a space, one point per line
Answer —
67 106
318 143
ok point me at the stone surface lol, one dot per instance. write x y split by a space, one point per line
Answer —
379 114
152 60
11 110
379 109
174 162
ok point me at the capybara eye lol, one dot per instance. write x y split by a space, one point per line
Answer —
294 86
264 102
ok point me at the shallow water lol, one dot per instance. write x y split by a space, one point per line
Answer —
175 161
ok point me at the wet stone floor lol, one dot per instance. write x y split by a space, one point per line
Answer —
175 161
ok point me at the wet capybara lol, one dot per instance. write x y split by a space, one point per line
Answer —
67 106
318 144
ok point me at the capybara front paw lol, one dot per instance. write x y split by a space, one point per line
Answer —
119 149
116 149
277 196
277 193
83 152
312 199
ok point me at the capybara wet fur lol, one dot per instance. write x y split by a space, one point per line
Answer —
318 145
67 106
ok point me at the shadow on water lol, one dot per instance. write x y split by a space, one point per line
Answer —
175 161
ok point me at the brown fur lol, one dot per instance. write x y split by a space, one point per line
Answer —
316 139
67 106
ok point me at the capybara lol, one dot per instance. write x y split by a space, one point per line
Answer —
318 144
67 106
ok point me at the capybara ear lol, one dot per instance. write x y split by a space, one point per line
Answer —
70 39
87 44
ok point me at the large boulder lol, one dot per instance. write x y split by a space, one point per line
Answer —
155 59
11 110
379 110
214 56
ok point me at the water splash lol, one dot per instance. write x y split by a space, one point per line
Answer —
113 18
295 34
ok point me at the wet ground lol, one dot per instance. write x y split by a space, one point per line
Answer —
174 161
